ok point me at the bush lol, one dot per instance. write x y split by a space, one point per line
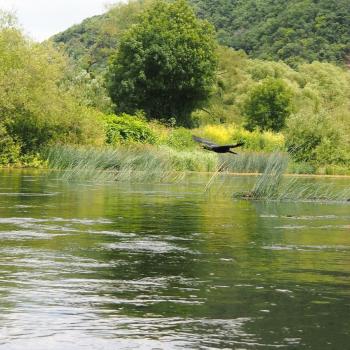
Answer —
37 107
9 150
180 139
268 105
317 139
128 129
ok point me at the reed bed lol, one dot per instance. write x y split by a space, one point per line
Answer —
295 189
138 164
164 164
246 162
272 185
147 163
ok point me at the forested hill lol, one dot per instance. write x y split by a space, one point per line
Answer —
93 41
291 30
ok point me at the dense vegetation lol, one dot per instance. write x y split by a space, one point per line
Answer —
37 99
294 31
92 42
57 94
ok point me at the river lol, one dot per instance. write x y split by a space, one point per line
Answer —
167 266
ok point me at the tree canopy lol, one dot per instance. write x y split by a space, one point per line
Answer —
292 30
165 64
36 105
268 105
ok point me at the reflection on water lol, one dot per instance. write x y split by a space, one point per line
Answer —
120 266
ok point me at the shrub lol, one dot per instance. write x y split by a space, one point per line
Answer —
9 150
128 129
268 105
180 138
317 139
37 107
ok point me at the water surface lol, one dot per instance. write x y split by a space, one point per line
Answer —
140 266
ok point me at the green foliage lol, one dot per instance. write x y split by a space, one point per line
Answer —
237 77
222 106
318 140
9 150
180 138
165 63
89 90
316 89
46 98
35 106
268 105
93 41
128 129
293 31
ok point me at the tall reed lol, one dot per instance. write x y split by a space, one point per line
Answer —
146 163
272 185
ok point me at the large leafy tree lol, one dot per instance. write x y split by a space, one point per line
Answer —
36 105
165 64
268 105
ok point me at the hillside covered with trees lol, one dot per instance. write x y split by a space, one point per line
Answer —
294 31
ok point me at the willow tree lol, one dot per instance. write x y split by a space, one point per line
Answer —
165 64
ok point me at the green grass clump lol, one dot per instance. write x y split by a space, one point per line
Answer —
271 185
246 162
268 183
141 164
147 163
297 190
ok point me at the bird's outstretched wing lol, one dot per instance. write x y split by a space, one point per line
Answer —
204 142
234 146
214 145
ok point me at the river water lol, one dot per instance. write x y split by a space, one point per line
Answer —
167 266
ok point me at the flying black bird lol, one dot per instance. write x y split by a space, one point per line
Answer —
216 148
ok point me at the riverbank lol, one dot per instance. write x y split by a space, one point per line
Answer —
164 159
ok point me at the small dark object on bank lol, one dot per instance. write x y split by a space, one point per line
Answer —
210 146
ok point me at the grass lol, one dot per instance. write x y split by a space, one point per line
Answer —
271 185
246 162
164 164
146 163
296 190
139 164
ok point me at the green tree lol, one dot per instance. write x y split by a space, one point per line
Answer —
35 106
268 105
165 64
